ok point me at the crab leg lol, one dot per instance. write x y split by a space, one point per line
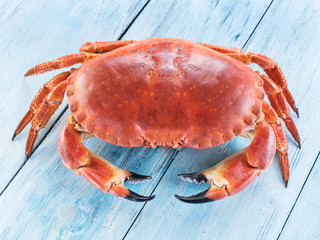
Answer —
237 171
38 100
98 47
268 65
44 104
273 71
88 51
280 105
41 117
272 118
275 85
95 169
62 62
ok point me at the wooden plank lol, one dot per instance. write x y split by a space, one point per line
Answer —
224 23
289 33
37 31
48 201
58 202
303 222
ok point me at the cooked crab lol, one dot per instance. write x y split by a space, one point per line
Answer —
166 92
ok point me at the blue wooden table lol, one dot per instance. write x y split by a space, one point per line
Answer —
41 199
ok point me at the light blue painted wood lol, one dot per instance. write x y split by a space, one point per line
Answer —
47 200
223 23
82 211
288 33
304 219
37 31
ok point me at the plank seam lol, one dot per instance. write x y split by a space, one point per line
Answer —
65 109
178 151
285 223
164 173
134 19
35 148
244 45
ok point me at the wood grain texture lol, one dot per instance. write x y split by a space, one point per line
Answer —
303 222
226 23
260 211
37 31
47 201
83 211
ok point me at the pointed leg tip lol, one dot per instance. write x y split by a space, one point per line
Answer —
299 144
286 183
14 136
132 196
29 73
27 155
296 111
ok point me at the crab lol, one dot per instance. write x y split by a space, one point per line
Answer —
166 92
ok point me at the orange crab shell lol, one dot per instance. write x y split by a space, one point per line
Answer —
165 92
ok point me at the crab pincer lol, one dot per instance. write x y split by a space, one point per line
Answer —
237 171
95 169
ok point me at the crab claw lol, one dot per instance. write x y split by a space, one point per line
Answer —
237 171
202 197
109 178
226 178
132 196
197 198
96 170
122 191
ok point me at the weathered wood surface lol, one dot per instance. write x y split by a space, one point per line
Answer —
261 210
303 222
46 200
37 31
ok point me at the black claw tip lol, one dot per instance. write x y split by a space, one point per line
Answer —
198 198
299 144
132 196
286 183
137 178
193 177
